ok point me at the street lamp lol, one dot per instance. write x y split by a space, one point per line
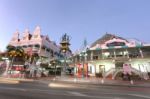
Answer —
103 73
83 56
54 63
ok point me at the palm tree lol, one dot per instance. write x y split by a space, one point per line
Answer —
14 52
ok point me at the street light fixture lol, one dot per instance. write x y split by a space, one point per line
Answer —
54 63
83 55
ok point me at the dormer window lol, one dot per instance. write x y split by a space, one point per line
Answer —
30 45
116 44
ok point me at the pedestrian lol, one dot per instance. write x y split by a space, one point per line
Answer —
129 77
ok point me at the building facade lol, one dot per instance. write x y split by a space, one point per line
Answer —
36 43
107 56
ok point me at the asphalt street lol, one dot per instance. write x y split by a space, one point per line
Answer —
62 90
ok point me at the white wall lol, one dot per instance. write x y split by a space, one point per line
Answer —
108 64
141 64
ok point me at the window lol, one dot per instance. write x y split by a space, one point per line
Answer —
116 44
95 57
37 45
24 46
30 45
90 69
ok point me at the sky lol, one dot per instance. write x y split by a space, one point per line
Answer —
80 19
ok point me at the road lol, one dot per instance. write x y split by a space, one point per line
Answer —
61 90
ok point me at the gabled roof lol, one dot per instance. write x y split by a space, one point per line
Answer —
105 38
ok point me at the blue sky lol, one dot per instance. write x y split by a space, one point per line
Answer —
81 19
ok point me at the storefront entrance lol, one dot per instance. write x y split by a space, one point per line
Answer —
101 70
118 70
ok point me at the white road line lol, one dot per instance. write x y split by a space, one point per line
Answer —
88 96
11 88
141 96
77 94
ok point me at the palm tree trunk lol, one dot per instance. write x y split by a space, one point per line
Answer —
11 64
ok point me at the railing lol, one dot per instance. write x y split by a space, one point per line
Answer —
141 74
117 70
110 71
137 72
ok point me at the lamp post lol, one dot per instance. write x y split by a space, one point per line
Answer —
54 63
65 43
83 56
103 74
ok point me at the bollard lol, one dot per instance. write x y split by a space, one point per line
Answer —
54 79
75 80
102 81
131 81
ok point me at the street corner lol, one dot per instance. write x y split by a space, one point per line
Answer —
8 81
21 79
15 80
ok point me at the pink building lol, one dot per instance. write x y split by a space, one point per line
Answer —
36 43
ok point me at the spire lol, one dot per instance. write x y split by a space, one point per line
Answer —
26 30
84 45
37 30
26 34
37 33
85 42
15 37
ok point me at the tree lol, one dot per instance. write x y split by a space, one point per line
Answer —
14 52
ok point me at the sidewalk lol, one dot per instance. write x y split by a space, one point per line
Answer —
13 80
73 80
99 81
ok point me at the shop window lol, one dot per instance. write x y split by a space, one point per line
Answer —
37 45
90 70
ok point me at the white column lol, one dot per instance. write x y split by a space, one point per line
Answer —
141 53
127 53
114 53
91 55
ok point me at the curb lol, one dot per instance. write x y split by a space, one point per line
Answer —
101 84
15 79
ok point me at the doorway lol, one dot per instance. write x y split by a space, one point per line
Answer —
101 70
118 70
119 64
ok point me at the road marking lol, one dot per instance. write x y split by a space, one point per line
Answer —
141 96
65 93
9 81
88 96
57 85
11 88
77 94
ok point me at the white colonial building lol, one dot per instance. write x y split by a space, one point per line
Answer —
108 55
